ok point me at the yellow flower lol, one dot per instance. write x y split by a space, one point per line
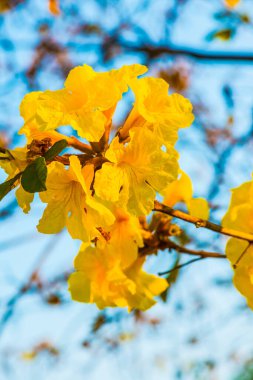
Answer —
125 237
87 102
147 285
100 279
54 7
31 128
24 199
240 253
70 202
136 171
240 213
100 203
232 3
181 190
156 110
13 162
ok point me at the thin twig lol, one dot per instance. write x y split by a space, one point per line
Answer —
75 143
201 223
169 244
202 253
202 55
181 266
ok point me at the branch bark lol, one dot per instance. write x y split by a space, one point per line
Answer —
75 143
181 266
169 244
201 223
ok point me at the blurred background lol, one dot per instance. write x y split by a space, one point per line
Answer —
203 330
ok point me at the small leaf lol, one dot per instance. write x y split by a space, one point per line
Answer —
34 176
55 150
7 186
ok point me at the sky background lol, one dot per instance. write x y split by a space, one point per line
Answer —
204 330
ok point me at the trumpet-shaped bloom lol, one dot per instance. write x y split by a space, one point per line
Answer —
87 102
125 237
31 128
156 110
100 279
148 286
136 171
70 202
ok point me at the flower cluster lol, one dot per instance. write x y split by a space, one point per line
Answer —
103 195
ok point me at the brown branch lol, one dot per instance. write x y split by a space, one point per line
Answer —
83 158
198 222
62 159
202 253
156 51
75 143
169 244
104 141
181 266
3 150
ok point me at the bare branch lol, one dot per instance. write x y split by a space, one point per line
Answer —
219 57
169 244
181 266
198 222
202 253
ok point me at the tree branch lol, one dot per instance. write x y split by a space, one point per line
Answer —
204 254
218 57
202 223
75 143
169 244
181 266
